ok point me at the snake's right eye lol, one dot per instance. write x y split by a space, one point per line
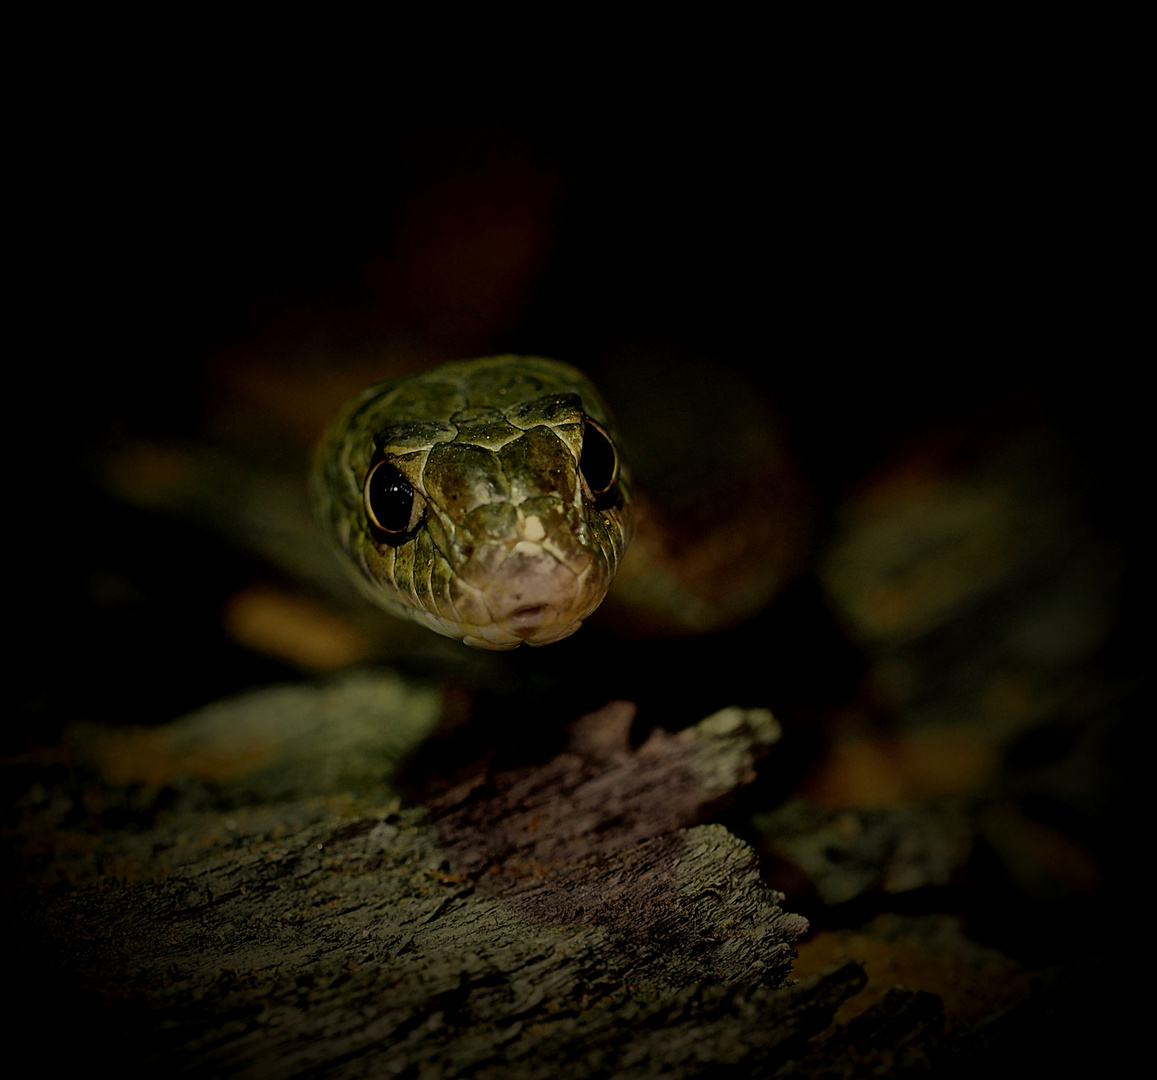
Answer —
394 509
599 461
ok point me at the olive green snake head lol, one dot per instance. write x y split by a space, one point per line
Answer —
484 499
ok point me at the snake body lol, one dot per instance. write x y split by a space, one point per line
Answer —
484 499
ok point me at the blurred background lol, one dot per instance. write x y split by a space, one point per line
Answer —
915 281
882 268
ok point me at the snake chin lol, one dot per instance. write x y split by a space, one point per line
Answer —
509 636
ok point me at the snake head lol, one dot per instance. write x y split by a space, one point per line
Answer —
484 499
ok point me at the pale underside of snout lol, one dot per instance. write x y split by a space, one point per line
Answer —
531 598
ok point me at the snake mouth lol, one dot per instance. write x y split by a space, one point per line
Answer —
534 606
541 624
532 617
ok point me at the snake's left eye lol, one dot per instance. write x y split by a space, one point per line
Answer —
599 461
394 509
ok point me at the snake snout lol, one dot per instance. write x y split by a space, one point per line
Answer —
535 598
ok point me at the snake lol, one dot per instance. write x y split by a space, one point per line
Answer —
484 499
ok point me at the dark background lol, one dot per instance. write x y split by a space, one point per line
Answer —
885 257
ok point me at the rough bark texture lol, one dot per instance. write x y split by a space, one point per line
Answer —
245 892
565 919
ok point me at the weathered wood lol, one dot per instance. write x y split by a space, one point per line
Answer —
246 892
569 919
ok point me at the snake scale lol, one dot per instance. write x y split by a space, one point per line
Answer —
484 499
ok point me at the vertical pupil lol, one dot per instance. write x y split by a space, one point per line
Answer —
390 498
597 461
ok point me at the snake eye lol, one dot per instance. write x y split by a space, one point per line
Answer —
599 461
394 510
